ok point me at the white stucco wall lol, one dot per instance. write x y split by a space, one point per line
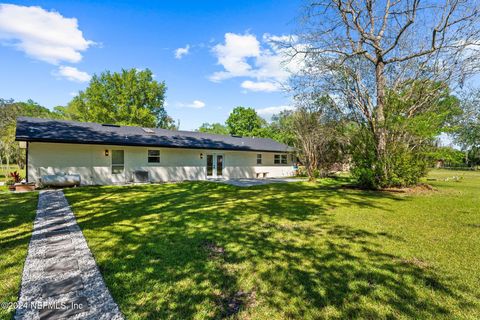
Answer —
175 164
243 164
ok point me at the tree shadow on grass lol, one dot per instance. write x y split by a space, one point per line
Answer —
17 212
279 243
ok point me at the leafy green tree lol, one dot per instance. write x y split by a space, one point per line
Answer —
129 97
467 133
62 112
450 156
215 128
281 127
246 122
359 51
9 112
317 131
411 131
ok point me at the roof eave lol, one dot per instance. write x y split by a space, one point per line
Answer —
23 138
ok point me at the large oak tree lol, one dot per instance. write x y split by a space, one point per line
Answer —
129 97
357 50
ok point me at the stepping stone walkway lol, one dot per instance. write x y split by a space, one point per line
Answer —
60 278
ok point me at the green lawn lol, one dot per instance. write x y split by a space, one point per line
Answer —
17 212
203 250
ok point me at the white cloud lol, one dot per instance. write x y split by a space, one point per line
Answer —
72 74
196 104
180 52
233 55
265 86
278 42
270 111
266 61
41 34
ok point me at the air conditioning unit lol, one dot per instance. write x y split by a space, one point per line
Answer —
140 176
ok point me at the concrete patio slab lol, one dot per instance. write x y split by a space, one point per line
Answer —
258 182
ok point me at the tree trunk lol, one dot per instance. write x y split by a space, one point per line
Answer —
2 166
7 172
380 130
310 167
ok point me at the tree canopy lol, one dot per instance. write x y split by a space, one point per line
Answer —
9 112
129 97
467 133
362 52
245 122
215 128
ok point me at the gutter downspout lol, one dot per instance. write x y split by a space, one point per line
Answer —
26 163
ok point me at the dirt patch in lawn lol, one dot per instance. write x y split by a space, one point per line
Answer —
214 251
230 300
416 262
420 188
236 301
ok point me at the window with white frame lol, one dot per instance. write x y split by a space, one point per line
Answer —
153 156
259 158
280 159
118 161
276 159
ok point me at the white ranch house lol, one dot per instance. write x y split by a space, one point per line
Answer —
104 154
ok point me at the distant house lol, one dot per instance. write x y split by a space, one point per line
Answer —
104 154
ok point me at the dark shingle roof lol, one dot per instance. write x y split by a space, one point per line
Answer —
60 131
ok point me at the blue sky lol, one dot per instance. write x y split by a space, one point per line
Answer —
227 54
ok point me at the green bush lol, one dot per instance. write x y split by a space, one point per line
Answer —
412 124
404 166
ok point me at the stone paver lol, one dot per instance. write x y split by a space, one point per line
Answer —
61 228
56 221
60 278
57 251
59 241
62 266
56 233
57 287
66 310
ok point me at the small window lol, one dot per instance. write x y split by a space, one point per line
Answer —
118 161
153 156
259 158
276 159
284 159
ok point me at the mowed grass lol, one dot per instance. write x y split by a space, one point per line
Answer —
200 250
17 213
